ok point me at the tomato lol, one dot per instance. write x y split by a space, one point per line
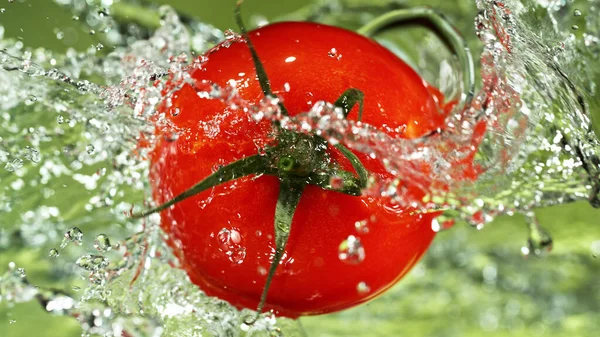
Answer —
225 236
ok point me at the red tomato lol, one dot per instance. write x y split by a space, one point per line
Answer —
224 237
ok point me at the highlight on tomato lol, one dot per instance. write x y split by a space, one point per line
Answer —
271 218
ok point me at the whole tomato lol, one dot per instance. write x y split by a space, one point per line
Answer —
344 247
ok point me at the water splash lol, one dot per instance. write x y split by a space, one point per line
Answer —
539 149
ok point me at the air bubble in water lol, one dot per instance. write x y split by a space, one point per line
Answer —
102 243
576 13
53 253
351 250
74 235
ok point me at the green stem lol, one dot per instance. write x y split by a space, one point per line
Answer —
244 167
444 29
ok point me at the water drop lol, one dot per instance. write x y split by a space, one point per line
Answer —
102 243
362 227
32 154
2 10
574 27
237 255
21 272
333 53
14 165
576 13
351 250
53 253
74 235
92 262
31 99
60 119
230 242
99 46
90 149
12 321
363 288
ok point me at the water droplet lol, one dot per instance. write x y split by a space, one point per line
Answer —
14 165
351 250
90 149
2 10
576 13
363 288
21 272
92 262
102 243
12 321
230 242
53 253
237 255
30 100
334 54
60 119
99 46
74 235
574 27
75 18
32 154
362 227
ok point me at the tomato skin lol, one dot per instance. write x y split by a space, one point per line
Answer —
224 236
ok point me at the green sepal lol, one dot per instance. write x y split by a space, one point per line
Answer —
290 192
255 164
363 174
349 99
263 79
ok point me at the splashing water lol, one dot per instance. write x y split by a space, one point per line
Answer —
77 119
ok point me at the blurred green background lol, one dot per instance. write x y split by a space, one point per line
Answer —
471 283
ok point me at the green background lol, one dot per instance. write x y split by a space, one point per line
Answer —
451 294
